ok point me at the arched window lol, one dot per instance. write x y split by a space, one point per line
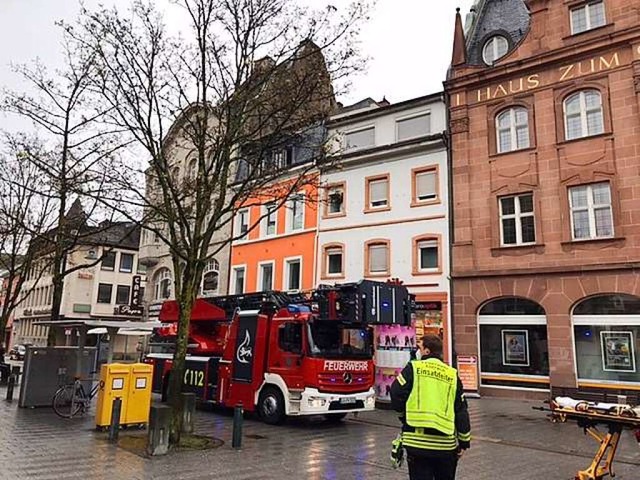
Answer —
511 306
583 114
606 329
162 283
333 260
193 169
512 129
513 344
495 48
618 304
377 258
211 278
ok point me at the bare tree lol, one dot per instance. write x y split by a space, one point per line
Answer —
71 153
24 216
229 115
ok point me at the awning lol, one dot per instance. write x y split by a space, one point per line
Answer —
91 324
134 333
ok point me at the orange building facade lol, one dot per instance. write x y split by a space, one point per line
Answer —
279 249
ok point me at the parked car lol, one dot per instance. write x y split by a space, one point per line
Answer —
18 352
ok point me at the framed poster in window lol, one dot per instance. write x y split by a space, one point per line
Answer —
618 353
515 348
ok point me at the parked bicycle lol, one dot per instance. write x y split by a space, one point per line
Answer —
72 399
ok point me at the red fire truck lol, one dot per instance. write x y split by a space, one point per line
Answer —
284 355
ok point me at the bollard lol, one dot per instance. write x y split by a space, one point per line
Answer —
10 384
188 401
114 426
159 429
236 441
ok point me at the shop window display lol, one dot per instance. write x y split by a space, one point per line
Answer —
607 338
395 344
513 344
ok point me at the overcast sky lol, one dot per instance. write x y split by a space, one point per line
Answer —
408 43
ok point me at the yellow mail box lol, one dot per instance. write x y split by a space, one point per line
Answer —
139 401
114 383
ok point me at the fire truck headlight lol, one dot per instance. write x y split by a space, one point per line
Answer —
317 402
371 400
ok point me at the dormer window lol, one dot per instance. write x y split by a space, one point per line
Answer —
495 48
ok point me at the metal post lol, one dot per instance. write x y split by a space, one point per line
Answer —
10 384
114 427
188 401
236 441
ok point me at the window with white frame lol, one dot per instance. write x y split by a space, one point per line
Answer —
517 220
270 220
265 277
512 129
362 138
295 212
293 274
162 282
587 17
583 116
428 255
334 257
425 184
413 127
495 48
211 278
335 200
378 192
378 258
242 223
238 280
591 212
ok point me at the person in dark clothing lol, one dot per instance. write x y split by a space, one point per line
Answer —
435 422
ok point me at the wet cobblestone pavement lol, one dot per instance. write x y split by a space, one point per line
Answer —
511 441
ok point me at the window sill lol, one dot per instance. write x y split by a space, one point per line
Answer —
512 152
592 243
420 273
425 203
589 137
536 248
376 210
332 276
329 216
580 37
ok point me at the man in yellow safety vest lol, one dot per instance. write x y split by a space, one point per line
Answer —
435 421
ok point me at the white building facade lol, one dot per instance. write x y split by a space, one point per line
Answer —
112 289
385 210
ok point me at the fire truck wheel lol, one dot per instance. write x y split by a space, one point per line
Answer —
271 406
335 417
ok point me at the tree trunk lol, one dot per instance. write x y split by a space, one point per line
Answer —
185 302
56 304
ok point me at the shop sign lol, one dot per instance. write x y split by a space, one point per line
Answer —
129 310
468 371
136 301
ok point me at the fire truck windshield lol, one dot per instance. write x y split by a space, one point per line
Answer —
330 339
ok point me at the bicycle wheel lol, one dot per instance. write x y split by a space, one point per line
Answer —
66 402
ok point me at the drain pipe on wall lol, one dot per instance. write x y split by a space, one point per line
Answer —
447 140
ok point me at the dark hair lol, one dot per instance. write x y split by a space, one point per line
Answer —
433 343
